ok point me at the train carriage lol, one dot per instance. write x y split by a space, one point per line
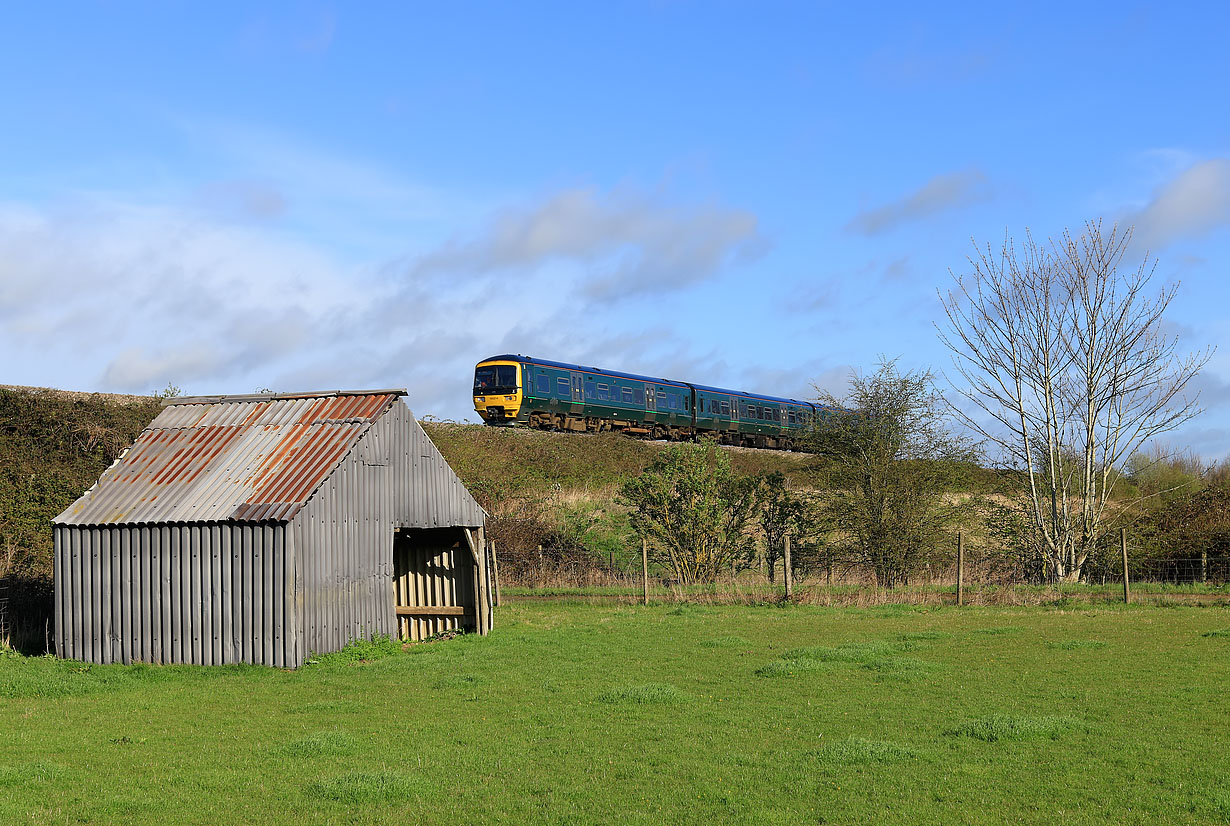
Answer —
550 395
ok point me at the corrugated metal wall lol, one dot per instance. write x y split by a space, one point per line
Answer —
205 593
394 478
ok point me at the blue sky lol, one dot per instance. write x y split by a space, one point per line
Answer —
227 197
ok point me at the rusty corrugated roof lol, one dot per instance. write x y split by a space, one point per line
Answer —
247 458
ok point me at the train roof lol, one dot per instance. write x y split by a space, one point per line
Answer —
566 366
761 396
598 370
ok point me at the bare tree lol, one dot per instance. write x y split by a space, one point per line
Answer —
1065 354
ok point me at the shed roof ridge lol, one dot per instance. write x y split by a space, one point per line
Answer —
222 398
368 424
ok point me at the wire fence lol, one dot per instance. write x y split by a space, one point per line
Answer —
578 567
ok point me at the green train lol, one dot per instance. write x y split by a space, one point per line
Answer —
553 395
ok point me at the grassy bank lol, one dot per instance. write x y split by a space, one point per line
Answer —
574 713
497 462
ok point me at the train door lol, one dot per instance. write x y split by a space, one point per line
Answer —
650 400
578 395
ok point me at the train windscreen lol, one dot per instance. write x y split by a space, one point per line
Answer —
496 378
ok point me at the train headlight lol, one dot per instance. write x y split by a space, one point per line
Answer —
480 398
510 398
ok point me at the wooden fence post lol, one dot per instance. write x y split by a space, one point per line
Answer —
645 569
786 565
1127 593
1204 566
960 569
495 572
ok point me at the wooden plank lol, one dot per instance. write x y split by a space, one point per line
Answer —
432 610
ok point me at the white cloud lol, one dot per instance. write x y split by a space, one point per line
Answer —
943 192
111 294
626 243
1193 203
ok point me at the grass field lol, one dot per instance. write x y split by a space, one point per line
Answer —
577 713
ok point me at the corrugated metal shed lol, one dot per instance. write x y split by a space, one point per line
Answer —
263 528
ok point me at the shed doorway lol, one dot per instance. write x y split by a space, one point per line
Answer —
434 582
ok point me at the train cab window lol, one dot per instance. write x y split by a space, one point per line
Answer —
495 378
543 384
604 393
562 388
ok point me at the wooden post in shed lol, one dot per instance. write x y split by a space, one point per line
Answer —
1127 592
645 569
482 593
786 564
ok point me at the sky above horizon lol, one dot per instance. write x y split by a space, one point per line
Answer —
230 197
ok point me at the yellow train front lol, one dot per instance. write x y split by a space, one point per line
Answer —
497 390
552 395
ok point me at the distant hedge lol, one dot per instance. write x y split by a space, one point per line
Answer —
53 446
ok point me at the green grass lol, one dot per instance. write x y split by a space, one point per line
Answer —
996 727
856 751
616 713
358 788
649 693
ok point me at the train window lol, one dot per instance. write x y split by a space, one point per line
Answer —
543 384
625 393
498 378
563 389
672 401
638 396
725 408
604 392
589 389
